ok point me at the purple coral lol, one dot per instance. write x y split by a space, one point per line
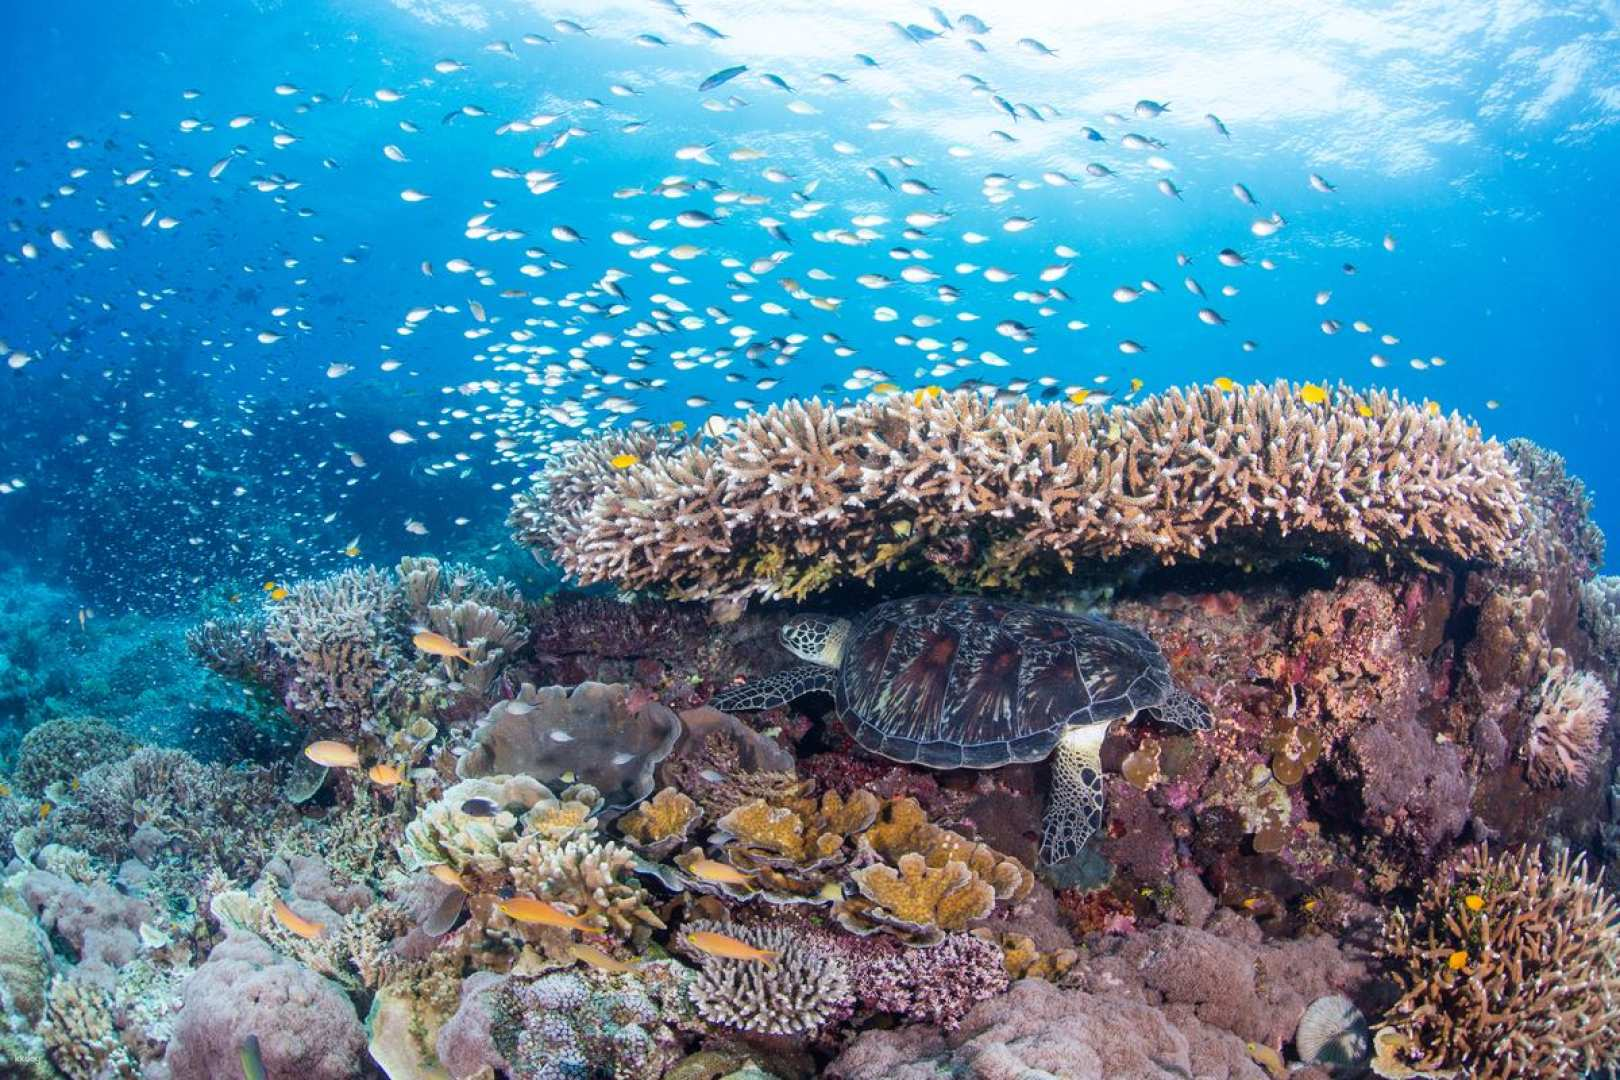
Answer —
935 986
305 1024
100 923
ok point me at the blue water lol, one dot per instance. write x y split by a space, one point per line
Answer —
168 457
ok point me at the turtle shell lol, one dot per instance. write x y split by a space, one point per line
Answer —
949 681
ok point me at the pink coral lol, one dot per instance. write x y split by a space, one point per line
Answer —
1565 738
99 922
937 985
305 1024
1040 1030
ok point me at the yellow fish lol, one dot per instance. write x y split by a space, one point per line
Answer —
1079 396
332 754
269 586
385 775
677 426
352 548
1224 384
439 645
1457 960
278 593
729 948
623 461
526 909
307 929
447 875
1432 408
596 958
1136 384
718 872
1474 902
1268 1059
1311 394
1364 411
886 388
44 810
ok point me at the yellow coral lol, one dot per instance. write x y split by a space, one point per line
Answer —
664 819
946 897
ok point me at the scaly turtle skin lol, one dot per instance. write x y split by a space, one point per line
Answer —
964 682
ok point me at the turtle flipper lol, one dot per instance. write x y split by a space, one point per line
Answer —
1074 805
1185 711
774 690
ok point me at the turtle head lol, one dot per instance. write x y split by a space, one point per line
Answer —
816 638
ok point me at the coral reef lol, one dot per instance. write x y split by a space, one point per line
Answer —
805 494
935 986
1508 967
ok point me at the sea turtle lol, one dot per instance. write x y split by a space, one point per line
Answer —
965 682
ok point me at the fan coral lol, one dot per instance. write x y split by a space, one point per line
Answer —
59 750
800 992
1564 741
305 1025
807 494
565 1026
1511 968
590 730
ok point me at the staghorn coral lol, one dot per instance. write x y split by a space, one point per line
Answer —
1508 968
234 647
591 730
1561 533
1600 614
988 493
801 991
485 617
79 1035
1563 742
334 632
597 880
57 751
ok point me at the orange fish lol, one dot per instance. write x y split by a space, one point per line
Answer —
385 775
729 948
596 958
718 872
439 645
447 875
304 928
332 754
526 909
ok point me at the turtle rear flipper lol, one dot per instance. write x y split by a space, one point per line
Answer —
777 689
1074 805
1184 711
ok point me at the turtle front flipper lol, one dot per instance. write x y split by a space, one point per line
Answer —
1184 711
1074 805
774 690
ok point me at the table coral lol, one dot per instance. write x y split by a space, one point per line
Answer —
1509 967
806 494
662 823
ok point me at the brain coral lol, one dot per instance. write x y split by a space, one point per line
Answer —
806 494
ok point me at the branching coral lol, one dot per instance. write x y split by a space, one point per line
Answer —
79 1033
1509 969
801 991
59 750
986 493
938 985
1564 740
1600 614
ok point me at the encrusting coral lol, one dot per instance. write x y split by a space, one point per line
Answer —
1509 968
806 494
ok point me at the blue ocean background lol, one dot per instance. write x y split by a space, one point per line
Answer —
160 459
